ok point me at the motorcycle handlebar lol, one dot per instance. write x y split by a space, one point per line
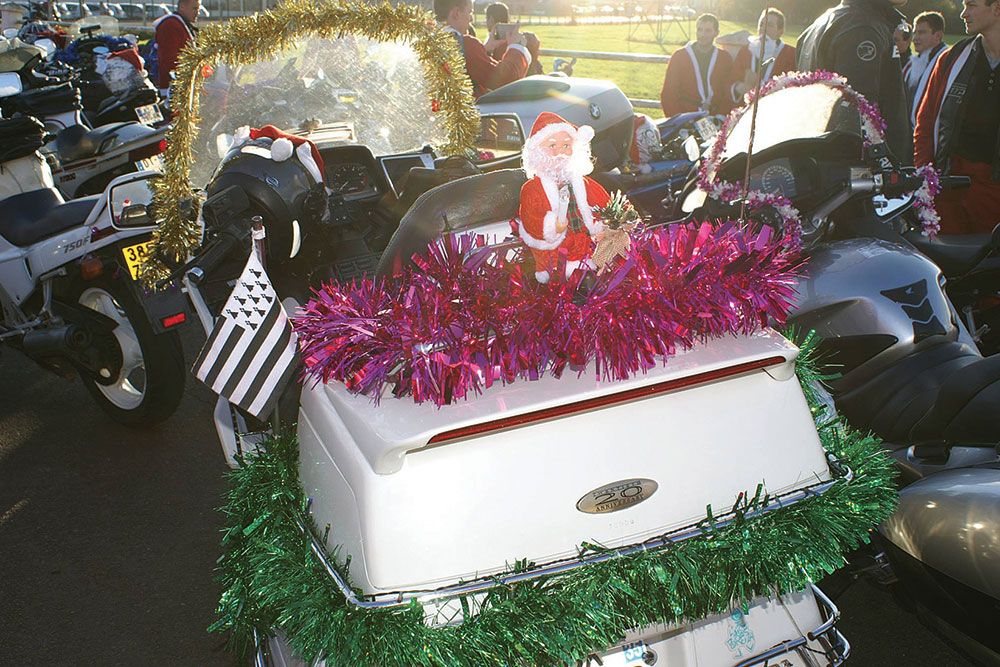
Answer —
229 239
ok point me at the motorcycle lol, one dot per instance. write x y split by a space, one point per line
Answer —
71 303
908 369
342 227
85 160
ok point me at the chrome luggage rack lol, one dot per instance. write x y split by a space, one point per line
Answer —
557 567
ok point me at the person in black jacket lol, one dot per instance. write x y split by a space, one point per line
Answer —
855 39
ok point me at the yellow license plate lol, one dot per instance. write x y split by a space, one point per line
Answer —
135 255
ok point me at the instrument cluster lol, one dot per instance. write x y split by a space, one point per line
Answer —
351 180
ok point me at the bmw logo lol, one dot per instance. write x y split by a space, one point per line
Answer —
595 111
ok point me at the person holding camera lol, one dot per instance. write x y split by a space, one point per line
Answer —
499 26
486 72
903 36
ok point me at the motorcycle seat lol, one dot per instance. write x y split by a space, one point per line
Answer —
965 409
32 216
44 101
78 142
956 254
936 393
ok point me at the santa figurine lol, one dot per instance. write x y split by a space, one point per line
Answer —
557 201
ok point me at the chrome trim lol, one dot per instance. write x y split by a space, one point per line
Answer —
836 653
261 657
403 598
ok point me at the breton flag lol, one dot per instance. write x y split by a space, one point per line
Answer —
250 354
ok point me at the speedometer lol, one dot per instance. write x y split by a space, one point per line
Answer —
778 179
349 178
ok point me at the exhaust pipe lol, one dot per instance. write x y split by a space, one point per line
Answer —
67 340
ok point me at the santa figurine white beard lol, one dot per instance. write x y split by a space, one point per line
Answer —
556 180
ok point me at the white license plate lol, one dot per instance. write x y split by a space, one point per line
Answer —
149 114
152 163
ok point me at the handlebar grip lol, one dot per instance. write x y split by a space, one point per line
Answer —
955 182
902 185
219 251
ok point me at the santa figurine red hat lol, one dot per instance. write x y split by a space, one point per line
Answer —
557 201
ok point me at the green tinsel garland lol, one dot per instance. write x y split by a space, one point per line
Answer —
273 581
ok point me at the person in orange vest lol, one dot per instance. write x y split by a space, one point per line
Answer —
699 75
173 31
778 56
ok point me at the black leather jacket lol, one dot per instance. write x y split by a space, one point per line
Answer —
854 39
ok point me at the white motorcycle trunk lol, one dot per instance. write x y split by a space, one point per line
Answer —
413 515
23 174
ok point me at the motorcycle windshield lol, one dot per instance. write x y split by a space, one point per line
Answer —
346 90
805 112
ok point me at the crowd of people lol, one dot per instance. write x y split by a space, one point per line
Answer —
940 104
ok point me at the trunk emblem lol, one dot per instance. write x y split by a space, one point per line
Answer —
616 496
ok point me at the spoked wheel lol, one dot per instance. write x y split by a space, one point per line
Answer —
148 386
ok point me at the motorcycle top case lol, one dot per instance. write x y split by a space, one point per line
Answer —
416 514
600 104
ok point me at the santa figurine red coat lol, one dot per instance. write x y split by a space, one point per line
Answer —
557 201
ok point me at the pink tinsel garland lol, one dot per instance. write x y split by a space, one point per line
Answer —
466 318
873 129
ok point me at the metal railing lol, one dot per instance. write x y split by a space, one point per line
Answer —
621 57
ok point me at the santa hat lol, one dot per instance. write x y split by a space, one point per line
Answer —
283 145
129 55
549 123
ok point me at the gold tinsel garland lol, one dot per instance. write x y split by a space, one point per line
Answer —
263 36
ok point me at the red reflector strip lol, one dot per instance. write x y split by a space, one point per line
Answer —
604 401
174 320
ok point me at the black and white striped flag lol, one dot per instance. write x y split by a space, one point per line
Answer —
250 354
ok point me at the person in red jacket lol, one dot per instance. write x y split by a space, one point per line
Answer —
485 72
173 31
699 75
958 126
778 56
497 13
557 202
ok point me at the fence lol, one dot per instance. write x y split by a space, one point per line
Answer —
626 57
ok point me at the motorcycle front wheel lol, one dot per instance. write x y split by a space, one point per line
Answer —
150 383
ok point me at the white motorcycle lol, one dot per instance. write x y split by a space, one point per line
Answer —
83 159
71 301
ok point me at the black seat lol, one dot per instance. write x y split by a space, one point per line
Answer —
44 101
20 136
943 392
32 216
466 203
956 254
77 142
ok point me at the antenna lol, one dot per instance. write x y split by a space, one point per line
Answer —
753 112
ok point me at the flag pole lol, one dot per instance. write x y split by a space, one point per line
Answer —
259 236
753 115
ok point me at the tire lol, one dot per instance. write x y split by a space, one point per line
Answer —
150 383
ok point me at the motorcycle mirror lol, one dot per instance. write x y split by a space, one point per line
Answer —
692 149
130 203
47 45
500 135
10 84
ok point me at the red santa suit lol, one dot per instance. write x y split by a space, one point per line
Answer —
172 33
685 90
486 73
781 55
544 201
939 137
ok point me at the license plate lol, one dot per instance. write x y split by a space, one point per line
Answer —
706 129
135 255
151 163
149 114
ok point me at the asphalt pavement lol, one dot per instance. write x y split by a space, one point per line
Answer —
109 537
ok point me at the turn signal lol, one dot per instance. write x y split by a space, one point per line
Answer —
91 267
